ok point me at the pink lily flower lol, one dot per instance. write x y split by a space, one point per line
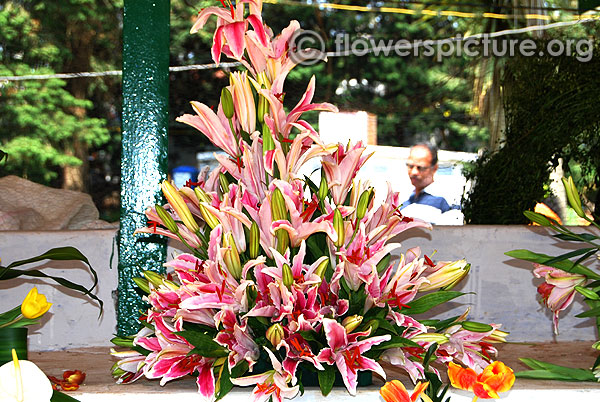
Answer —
131 363
399 358
270 384
296 351
340 169
282 121
272 59
296 227
243 101
214 126
170 358
154 228
558 290
231 29
306 146
347 353
237 338
470 348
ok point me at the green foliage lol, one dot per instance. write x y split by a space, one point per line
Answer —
39 119
548 116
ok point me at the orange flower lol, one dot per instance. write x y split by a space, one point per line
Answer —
74 377
394 391
495 378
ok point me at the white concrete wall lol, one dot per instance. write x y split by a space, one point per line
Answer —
504 288
72 320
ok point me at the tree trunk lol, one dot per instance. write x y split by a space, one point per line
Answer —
79 41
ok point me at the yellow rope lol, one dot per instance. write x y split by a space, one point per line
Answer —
408 11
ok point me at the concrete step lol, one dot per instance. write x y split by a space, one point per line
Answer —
100 386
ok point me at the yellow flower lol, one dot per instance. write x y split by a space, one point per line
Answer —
35 305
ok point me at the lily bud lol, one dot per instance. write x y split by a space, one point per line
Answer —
436 337
322 267
121 341
287 275
166 219
263 108
208 216
588 293
275 334
232 257
476 326
573 196
497 336
279 212
224 183
323 189
35 305
447 276
254 242
372 325
179 205
201 194
538 218
278 209
338 225
268 143
384 263
596 345
352 322
153 278
227 103
251 296
363 203
142 284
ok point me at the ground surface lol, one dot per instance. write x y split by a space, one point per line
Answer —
96 363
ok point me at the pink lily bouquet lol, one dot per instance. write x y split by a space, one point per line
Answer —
286 279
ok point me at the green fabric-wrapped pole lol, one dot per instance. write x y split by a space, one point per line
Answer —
144 157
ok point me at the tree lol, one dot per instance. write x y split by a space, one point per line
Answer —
47 126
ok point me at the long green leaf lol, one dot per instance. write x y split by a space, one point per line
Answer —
326 379
576 237
56 254
9 273
595 312
425 303
395 342
571 254
554 371
543 258
549 375
204 345
61 397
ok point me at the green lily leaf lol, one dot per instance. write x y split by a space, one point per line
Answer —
588 251
566 266
61 397
548 371
326 379
576 237
595 312
204 344
425 303
396 342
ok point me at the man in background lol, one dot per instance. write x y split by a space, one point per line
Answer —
422 163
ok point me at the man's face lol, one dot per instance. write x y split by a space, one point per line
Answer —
419 168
